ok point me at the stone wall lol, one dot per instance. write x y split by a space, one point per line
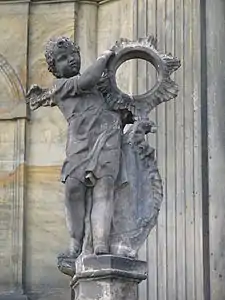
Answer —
174 248
13 78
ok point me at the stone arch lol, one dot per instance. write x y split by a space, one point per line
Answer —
12 102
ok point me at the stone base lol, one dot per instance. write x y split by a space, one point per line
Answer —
13 296
108 277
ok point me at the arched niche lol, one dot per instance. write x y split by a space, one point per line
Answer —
12 104
12 158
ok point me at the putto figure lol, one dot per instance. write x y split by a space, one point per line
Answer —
93 142
113 189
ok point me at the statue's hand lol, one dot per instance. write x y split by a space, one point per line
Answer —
108 53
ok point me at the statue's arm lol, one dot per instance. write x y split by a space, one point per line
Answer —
91 75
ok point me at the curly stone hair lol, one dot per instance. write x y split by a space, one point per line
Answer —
58 42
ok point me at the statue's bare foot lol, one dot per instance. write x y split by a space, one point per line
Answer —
66 263
73 251
70 254
66 260
101 249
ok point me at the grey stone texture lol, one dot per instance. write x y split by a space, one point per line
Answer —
108 277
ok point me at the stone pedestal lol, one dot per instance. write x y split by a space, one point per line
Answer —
108 277
13 296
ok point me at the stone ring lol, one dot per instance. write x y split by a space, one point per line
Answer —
145 48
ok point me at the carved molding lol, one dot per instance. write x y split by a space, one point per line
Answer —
13 1
107 1
16 108
46 1
97 2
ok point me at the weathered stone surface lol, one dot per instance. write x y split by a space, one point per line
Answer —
14 37
13 296
12 104
119 24
86 33
12 145
11 205
106 289
121 266
165 262
46 137
108 277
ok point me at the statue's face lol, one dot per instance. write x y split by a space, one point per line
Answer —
67 62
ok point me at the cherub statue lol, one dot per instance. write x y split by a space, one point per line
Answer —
93 141
112 185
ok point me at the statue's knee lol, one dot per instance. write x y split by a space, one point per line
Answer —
74 188
105 188
107 182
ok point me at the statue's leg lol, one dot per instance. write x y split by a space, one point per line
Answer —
102 212
75 213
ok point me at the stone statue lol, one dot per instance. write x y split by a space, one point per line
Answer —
113 189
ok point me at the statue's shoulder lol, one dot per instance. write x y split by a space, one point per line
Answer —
58 82
67 87
64 83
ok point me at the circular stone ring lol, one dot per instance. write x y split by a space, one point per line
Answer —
165 64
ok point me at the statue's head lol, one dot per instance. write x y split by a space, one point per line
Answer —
63 57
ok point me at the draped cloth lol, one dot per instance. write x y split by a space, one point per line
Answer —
93 147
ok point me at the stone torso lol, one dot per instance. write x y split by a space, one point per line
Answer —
94 132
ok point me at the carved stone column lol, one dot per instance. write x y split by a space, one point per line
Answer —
108 277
